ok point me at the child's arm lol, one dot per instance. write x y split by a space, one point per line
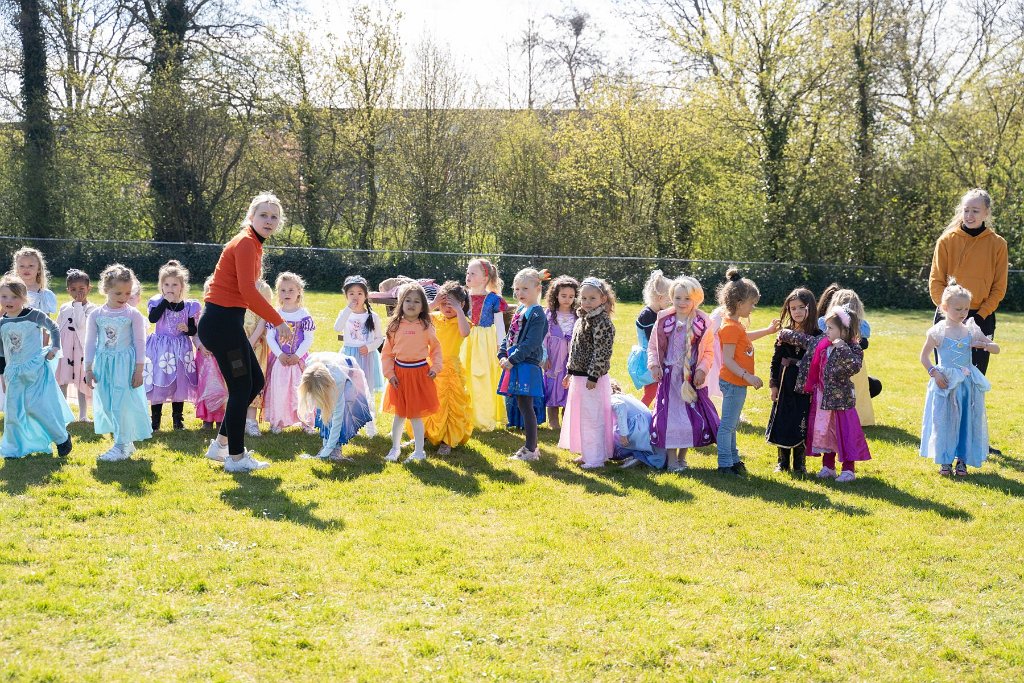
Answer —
275 347
764 332
44 321
775 371
387 361
534 330
434 346
604 343
307 340
139 341
499 316
464 325
926 360
847 359
339 322
654 355
90 345
337 418
157 305
801 339
258 331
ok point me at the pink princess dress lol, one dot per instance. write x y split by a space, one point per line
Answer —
281 396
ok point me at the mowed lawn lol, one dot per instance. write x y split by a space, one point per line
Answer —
476 567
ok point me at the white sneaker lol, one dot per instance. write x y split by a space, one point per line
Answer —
629 462
846 476
275 430
371 429
417 456
217 452
113 455
247 463
252 428
393 455
518 455
128 449
826 473
530 456
310 430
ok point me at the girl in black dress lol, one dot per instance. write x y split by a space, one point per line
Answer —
787 424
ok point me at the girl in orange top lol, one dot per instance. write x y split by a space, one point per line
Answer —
738 296
410 339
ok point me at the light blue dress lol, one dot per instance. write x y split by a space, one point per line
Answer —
117 407
955 424
36 414
633 421
351 407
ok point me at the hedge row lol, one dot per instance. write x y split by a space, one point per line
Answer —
325 270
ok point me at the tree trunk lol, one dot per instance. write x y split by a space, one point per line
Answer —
370 213
41 217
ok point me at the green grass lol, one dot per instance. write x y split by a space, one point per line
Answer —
475 567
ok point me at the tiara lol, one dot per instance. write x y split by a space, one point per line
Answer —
592 282
841 312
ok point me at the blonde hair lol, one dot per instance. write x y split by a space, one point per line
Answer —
696 292
43 276
173 268
531 274
13 282
288 276
953 290
263 288
657 286
849 299
262 198
735 290
115 273
603 287
206 286
958 216
317 389
494 281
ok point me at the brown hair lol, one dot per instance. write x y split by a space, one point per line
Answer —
825 300
116 273
735 290
456 292
14 283
849 333
810 323
173 268
404 292
556 286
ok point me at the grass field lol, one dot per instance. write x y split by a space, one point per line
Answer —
475 567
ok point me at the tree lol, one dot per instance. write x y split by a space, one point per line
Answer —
573 47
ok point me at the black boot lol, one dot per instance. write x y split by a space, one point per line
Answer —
783 465
156 411
63 449
799 460
177 416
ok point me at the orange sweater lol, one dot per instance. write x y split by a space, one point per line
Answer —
234 279
978 263
408 344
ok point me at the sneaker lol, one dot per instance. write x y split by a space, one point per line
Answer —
337 456
310 430
113 455
780 468
826 473
178 424
739 468
246 463
728 470
592 465
676 469
629 462
530 456
252 428
444 449
846 475
276 430
393 455
63 449
518 455
127 448
416 456
216 452
945 470
960 470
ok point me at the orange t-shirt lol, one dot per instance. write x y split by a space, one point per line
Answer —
733 332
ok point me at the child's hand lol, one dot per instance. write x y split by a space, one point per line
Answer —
623 441
698 379
657 373
364 350
940 380
431 374
591 384
90 378
136 379
775 326
503 362
775 394
565 382
756 382
393 381
182 327
547 365
51 354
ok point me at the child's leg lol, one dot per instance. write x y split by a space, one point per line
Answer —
397 428
417 433
529 421
733 398
156 412
784 454
682 457
849 466
828 460
178 414
553 418
799 459
671 458
64 390
83 406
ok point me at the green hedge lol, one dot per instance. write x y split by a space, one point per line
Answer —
326 269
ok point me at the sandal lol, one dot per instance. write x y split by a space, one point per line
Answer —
945 470
961 468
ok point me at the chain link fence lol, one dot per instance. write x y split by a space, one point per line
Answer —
325 269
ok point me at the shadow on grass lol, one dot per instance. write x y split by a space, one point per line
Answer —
131 476
876 489
889 434
771 491
18 474
1007 461
996 482
264 498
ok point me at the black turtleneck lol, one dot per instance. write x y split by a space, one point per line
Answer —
257 235
973 232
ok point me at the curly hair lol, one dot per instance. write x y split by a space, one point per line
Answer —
556 287
454 291
735 290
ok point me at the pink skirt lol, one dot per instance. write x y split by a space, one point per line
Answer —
70 366
835 431
588 421
281 396
212 392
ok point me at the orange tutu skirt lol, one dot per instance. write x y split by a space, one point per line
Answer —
415 395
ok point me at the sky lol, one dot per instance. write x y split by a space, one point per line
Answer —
477 32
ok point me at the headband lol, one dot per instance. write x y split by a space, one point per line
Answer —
593 282
842 313
355 280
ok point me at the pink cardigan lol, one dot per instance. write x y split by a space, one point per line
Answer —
664 327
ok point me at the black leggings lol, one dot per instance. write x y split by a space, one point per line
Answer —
221 332
529 421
